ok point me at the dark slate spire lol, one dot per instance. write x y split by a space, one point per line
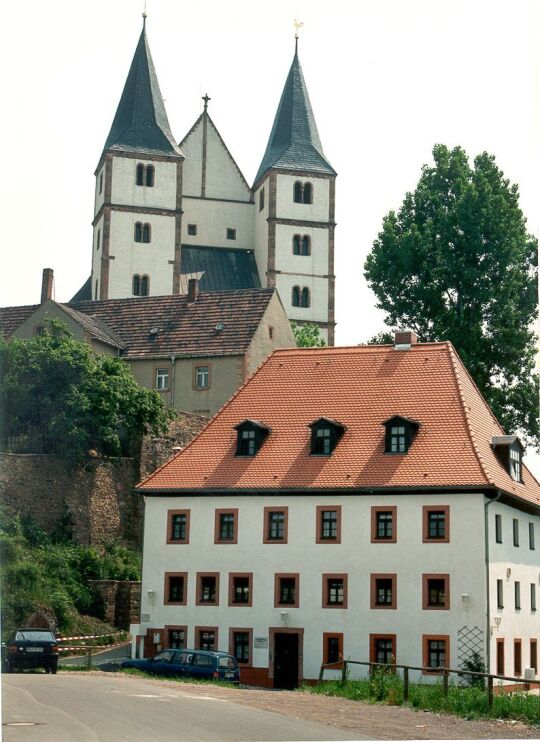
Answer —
141 123
294 142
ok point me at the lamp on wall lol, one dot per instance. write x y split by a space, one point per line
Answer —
465 597
497 620
151 595
283 615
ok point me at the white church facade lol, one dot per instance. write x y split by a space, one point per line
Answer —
167 212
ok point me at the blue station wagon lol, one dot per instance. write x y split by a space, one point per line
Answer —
191 663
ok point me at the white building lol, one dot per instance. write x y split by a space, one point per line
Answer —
347 502
166 212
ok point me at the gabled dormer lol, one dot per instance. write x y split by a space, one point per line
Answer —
400 433
250 437
325 434
509 450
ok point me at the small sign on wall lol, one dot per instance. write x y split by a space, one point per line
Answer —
260 642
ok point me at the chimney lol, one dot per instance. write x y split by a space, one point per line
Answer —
47 285
403 339
193 290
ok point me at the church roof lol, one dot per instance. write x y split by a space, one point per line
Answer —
219 268
141 123
294 142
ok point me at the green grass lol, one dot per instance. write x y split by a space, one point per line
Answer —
470 703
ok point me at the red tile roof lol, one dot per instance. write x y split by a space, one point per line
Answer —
361 387
13 317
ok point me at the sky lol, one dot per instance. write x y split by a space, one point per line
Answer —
387 80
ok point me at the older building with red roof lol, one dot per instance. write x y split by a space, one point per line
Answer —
347 502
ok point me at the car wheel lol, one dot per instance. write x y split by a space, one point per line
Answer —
53 669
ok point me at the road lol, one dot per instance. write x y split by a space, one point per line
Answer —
99 656
112 708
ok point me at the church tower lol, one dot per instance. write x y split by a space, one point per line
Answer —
294 193
138 197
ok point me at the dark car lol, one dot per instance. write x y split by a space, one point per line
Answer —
191 663
29 648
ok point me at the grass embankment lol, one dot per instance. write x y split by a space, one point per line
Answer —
470 703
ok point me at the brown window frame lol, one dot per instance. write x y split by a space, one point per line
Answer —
426 510
426 638
277 592
319 539
170 515
500 657
335 576
232 577
197 637
338 664
375 509
373 591
425 592
198 600
266 522
166 588
217 522
518 658
373 638
195 368
533 654
241 630
173 627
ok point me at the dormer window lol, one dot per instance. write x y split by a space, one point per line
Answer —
250 437
325 434
400 433
509 450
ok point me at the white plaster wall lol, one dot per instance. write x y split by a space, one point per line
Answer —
135 257
96 256
99 197
316 263
286 208
223 179
261 231
192 169
212 219
318 311
524 566
162 195
462 559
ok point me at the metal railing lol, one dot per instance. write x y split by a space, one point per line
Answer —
444 672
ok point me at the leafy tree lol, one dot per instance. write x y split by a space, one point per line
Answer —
456 263
55 387
307 336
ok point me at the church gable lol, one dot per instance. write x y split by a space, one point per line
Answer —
192 147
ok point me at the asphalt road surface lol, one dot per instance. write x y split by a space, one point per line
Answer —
73 707
99 656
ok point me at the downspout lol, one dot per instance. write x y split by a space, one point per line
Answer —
486 550
173 377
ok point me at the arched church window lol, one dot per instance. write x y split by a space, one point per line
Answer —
305 299
307 195
140 174
138 232
296 244
150 172
96 294
145 285
296 296
305 248
146 232
136 285
297 195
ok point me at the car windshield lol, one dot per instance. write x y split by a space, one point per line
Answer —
227 662
31 635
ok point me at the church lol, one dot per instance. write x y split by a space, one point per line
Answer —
167 212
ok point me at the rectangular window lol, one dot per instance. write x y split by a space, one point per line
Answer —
192 230
178 526
207 588
531 536
162 379
334 591
436 592
398 439
332 648
175 592
328 524
533 651
498 529
206 637
98 240
275 525
202 377
517 657
500 656
382 648
261 199
240 588
533 596
384 524
383 590
515 528
240 645
176 637
287 590
436 523
500 594
226 526
231 233
435 652
517 596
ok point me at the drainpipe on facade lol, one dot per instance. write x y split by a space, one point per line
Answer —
173 359
486 550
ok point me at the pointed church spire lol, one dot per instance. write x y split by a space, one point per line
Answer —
294 142
141 123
